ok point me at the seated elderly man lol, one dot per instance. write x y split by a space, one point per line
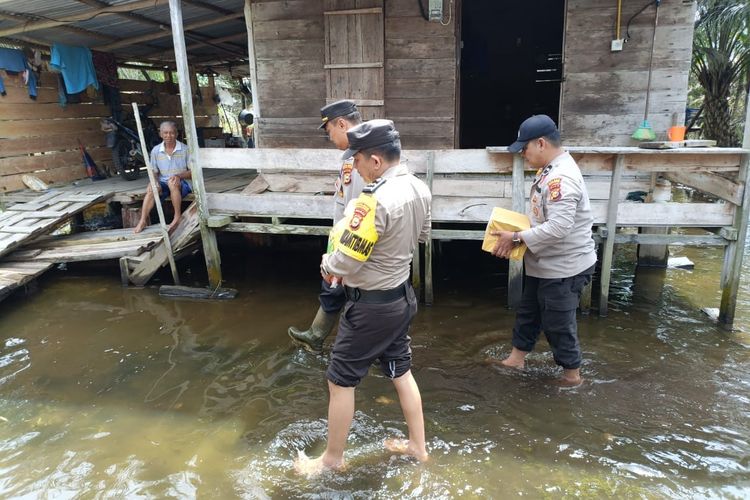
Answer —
170 161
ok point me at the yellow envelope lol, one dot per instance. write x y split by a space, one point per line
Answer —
505 220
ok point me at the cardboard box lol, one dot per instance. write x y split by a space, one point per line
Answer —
505 220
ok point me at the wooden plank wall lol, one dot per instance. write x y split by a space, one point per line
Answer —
168 105
420 73
289 48
41 138
604 93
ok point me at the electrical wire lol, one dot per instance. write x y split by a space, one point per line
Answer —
627 26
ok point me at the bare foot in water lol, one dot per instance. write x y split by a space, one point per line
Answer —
570 378
404 447
506 363
312 467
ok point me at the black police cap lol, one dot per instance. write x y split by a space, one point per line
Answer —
533 128
336 109
370 134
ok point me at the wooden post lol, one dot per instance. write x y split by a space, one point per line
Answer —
155 192
257 133
210 247
655 255
428 291
609 243
735 252
515 267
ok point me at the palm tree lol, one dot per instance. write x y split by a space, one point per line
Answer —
721 63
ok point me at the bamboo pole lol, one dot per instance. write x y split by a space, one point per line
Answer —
157 199
515 267
609 244
208 236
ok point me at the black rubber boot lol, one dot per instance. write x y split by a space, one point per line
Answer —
312 339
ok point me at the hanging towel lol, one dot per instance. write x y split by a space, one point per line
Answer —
105 65
14 61
76 66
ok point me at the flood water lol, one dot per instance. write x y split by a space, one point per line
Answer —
112 392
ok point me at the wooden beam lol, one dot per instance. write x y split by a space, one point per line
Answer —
708 182
208 236
609 244
428 285
26 18
734 253
228 38
253 68
112 9
166 32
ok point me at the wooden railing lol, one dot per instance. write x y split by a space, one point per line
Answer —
467 184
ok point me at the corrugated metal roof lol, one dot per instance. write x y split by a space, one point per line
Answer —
103 29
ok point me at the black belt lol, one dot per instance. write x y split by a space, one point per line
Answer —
376 296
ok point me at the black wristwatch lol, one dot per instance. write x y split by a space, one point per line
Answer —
516 238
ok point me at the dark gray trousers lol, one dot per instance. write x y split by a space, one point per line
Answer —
550 305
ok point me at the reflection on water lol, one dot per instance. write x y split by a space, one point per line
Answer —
118 392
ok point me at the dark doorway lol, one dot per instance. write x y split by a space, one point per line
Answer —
511 67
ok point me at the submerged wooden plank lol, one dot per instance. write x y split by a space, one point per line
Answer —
16 274
185 233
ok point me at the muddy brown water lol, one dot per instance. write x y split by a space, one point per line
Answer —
112 392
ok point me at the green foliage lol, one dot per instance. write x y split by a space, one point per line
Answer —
720 67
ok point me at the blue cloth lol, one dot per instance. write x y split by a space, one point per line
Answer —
185 189
76 66
14 60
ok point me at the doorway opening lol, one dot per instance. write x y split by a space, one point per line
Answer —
511 67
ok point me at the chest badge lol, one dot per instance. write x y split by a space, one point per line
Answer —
346 173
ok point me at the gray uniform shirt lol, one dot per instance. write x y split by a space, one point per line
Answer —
349 185
402 220
559 241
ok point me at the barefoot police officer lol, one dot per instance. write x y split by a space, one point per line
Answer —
561 255
373 248
338 118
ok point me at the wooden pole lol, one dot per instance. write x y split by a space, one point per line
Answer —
210 247
157 199
609 243
257 133
428 290
515 267
735 251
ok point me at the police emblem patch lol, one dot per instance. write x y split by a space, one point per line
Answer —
360 212
346 173
555 189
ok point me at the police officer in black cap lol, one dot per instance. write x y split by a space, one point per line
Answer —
337 118
372 252
561 254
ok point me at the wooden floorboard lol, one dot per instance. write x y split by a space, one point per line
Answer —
17 274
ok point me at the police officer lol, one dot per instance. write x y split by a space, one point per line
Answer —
338 118
373 248
561 255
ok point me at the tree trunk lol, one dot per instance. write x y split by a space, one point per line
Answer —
717 121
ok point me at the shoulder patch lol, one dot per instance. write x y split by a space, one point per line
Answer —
555 189
373 186
346 172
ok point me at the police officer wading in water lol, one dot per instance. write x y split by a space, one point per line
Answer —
338 118
372 252
561 256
